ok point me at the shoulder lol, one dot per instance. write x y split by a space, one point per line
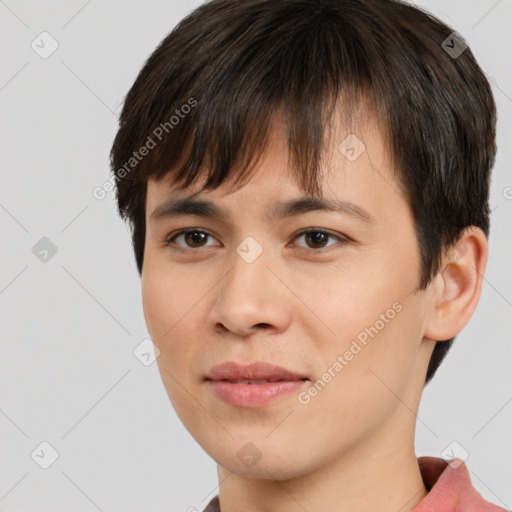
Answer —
213 506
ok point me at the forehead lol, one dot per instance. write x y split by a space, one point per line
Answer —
355 166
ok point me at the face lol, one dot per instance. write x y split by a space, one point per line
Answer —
329 296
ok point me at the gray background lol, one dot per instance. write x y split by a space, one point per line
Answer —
69 325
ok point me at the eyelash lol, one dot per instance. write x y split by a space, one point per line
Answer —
167 242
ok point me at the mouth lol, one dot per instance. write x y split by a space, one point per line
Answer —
254 385
257 373
259 381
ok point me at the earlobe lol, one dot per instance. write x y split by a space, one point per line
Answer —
458 285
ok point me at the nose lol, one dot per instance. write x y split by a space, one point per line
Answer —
251 298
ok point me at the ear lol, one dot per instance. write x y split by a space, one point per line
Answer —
458 285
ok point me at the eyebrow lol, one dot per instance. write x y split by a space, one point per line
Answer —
190 206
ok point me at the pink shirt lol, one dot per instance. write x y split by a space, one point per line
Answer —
449 489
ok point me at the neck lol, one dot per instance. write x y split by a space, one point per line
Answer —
382 474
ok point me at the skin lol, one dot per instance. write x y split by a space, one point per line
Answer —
351 447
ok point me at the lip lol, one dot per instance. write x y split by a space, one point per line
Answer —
230 382
259 370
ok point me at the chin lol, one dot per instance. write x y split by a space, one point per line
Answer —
260 459
264 470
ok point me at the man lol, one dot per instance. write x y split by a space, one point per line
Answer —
307 185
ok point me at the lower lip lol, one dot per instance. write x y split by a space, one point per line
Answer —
254 395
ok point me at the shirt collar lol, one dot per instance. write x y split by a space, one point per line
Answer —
449 489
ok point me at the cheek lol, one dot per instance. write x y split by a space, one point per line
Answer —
155 302
173 306
375 326
384 367
165 296
165 312
368 377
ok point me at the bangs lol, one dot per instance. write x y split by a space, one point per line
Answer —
222 104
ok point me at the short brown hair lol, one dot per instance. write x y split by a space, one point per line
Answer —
234 63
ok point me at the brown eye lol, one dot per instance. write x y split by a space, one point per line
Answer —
316 239
193 239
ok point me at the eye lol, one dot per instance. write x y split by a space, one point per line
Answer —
194 238
318 238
